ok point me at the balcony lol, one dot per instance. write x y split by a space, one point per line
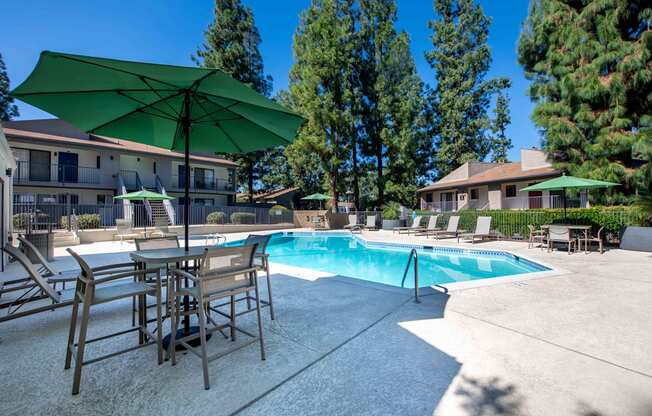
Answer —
36 173
201 184
444 206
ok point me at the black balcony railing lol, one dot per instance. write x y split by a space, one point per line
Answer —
27 172
198 183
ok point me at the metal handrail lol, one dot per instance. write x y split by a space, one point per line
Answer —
415 255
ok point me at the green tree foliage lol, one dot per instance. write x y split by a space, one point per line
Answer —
591 71
8 109
460 58
232 45
501 143
320 86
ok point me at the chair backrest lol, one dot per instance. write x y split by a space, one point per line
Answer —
260 240
33 273
453 223
353 219
532 228
483 225
432 222
46 264
417 222
559 233
599 235
86 276
157 242
161 223
217 262
371 220
123 226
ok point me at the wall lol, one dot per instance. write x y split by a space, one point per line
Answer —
521 200
85 196
6 162
534 159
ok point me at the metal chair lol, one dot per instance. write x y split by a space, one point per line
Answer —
561 234
223 273
536 236
594 239
89 294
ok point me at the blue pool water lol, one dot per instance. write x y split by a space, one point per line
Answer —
346 255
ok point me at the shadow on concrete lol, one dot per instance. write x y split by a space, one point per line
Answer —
489 396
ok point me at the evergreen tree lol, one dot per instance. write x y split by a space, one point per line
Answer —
320 86
501 143
231 45
8 109
461 96
590 68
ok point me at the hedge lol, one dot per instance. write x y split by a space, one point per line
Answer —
20 221
278 210
243 218
84 221
514 223
216 217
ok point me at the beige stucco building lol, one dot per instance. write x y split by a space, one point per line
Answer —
7 168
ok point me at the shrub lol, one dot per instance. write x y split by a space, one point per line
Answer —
84 221
216 217
278 210
243 218
21 220
391 211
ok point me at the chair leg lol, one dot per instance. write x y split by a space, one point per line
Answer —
202 338
233 318
260 322
159 322
71 332
269 293
601 251
174 327
81 346
248 294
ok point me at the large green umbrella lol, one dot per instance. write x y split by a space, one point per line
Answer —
178 108
317 197
564 182
144 195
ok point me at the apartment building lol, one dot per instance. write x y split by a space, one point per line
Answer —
57 163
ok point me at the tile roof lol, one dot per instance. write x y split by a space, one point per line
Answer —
501 173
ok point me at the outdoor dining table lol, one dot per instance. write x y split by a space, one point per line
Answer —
179 255
575 227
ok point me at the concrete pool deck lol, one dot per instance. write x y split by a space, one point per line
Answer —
576 343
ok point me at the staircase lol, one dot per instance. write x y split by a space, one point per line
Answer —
158 211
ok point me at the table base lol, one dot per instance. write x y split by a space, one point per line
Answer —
180 334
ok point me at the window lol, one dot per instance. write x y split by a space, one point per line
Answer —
475 194
203 201
39 166
23 199
63 199
510 191
97 161
101 200
46 199
204 178
154 168
429 197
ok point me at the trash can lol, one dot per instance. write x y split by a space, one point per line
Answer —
44 243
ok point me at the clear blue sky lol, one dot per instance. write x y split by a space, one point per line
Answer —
169 31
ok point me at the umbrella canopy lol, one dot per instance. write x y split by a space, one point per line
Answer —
173 107
317 197
564 182
144 195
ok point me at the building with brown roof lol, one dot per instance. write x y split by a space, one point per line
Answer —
60 164
480 185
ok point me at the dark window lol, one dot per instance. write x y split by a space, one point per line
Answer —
429 197
74 199
510 191
154 168
97 161
39 165
101 199
474 194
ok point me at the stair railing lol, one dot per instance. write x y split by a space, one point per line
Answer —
121 189
415 255
169 209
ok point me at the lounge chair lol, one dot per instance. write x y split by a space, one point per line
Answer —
47 270
353 223
161 228
431 227
371 223
482 230
124 230
451 230
416 224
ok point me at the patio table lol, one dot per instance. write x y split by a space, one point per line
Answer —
166 256
575 227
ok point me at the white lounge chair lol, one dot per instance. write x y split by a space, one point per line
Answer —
353 223
371 223
124 230
451 230
482 230
416 225
431 227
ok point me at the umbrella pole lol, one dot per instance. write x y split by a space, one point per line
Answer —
564 197
186 161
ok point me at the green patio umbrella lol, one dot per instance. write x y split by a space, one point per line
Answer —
564 182
317 197
185 109
144 195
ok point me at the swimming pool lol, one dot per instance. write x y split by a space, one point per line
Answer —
348 255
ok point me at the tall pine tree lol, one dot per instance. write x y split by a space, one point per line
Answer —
320 85
232 45
501 143
590 66
8 109
460 58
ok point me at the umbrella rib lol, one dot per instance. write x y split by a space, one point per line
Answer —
159 96
246 118
89 91
144 103
230 138
117 69
131 112
223 108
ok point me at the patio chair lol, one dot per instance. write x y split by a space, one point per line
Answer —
482 230
431 227
594 239
416 225
371 223
223 273
46 269
561 234
89 293
124 230
353 223
451 230
536 236
161 227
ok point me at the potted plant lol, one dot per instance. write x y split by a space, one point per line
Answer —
391 214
